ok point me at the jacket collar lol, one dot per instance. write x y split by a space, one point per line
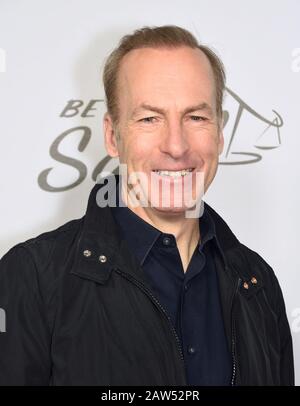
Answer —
100 248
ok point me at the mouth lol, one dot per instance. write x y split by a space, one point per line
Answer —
173 174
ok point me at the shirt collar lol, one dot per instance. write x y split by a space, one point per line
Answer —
139 234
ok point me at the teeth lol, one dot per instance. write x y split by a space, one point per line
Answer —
174 174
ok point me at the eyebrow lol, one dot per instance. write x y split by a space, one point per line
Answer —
190 109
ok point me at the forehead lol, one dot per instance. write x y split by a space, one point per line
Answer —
164 73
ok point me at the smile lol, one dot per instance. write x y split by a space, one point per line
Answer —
174 174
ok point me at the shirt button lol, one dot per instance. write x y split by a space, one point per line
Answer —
167 241
191 350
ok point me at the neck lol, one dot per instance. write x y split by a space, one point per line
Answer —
185 230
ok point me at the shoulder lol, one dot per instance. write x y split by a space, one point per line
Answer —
28 262
253 262
244 260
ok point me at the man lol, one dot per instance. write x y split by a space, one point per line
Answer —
142 293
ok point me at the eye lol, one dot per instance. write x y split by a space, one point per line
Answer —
198 118
147 119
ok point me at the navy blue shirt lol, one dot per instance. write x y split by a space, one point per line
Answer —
191 299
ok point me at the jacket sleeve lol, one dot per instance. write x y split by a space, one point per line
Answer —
286 357
24 332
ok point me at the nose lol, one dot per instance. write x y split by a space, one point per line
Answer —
174 141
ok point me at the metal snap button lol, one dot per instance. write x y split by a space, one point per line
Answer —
102 258
87 253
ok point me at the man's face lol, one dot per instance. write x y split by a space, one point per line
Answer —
168 121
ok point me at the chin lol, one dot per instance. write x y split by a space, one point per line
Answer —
169 211
172 210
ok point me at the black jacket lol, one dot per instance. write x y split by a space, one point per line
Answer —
79 319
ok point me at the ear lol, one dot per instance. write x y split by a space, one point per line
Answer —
221 136
221 143
110 136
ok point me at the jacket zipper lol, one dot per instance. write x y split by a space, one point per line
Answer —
233 336
141 286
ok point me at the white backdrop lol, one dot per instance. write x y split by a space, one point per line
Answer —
52 52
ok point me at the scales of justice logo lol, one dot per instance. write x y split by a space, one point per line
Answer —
267 139
247 134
